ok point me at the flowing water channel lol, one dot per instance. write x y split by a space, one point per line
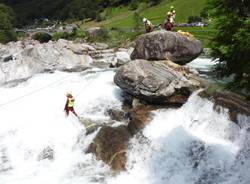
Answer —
190 145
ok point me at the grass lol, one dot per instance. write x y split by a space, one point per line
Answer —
124 19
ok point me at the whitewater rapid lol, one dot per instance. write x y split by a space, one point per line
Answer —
190 145
37 121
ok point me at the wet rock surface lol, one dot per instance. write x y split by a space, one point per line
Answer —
154 82
138 119
110 145
166 45
233 103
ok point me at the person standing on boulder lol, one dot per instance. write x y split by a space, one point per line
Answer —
149 27
168 25
173 14
69 106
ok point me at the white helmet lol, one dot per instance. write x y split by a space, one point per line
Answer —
69 93
144 20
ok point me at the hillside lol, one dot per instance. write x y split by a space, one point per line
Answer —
125 20
122 17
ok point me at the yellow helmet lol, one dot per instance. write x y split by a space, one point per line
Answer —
169 13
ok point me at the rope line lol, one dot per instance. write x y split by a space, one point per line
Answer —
32 92
44 87
78 94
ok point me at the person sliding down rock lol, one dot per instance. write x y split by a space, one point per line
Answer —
149 27
69 106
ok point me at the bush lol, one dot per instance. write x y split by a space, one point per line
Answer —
133 5
77 33
192 19
60 35
42 37
100 18
7 36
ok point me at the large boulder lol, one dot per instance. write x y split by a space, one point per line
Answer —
162 45
28 58
154 82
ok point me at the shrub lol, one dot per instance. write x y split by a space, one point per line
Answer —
42 37
192 19
77 33
7 36
133 5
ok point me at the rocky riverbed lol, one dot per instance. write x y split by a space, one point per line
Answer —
136 104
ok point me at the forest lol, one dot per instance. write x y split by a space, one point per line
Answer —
28 10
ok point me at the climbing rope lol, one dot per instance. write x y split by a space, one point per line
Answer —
42 88
84 87
32 92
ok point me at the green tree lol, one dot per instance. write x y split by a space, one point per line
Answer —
7 20
231 43
192 19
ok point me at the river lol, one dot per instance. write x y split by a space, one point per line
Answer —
190 145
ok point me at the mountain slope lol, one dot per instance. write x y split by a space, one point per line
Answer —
122 17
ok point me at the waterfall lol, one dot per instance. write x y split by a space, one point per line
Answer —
193 144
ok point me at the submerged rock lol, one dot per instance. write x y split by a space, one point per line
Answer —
166 45
4 161
47 153
154 82
110 145
90 125
116 115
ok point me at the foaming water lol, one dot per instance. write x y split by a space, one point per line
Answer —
36 122
190 145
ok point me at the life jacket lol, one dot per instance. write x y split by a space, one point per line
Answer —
71 102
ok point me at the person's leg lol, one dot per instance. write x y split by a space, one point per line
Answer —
73 111
66 112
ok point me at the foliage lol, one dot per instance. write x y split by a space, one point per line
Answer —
28 11
122 17
102 36
137 21
7 36
231 43
7 19
192 19
77 33
42 37
133 5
